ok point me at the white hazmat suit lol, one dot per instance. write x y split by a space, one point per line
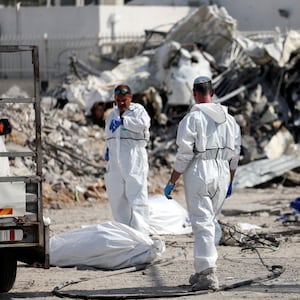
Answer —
208 140
127 169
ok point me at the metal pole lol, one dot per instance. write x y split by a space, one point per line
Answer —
46 57
18 33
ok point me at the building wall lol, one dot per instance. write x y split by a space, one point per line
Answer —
55 21
88 24
256 15
251 15
136 19
87 20
94 20
60 32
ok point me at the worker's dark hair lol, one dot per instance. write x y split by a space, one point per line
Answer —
123 86
203 85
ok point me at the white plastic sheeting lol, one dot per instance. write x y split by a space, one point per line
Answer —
166 216
110 245
179 81
134 71
173 69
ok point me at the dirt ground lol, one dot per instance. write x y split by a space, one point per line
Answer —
170 274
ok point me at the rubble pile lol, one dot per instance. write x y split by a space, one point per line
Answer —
73 164
256 76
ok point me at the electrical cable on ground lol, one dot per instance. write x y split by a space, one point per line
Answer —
178 291
248 243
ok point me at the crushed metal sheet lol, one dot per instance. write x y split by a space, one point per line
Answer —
261 171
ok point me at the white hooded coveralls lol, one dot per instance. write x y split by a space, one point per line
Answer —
127 169
208 140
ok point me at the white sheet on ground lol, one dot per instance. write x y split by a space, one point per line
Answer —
110 245
167 216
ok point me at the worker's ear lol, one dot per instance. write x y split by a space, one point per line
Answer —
212 93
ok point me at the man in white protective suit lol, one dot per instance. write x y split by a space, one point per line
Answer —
127 134
209 142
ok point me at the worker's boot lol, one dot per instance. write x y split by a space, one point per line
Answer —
205 280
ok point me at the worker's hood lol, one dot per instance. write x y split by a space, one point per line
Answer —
215 111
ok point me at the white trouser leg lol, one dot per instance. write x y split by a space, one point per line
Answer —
206 184
120 208
137 194
205 252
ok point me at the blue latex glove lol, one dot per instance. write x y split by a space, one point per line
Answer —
229 191
168 189
115 123
106 156
295 204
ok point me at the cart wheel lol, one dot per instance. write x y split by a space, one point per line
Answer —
8 270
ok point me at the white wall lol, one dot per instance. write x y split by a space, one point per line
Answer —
58 21
256 15
94 21
135 19
252 15
74 30
88 20
91 20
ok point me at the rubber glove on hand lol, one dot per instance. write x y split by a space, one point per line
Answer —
229 191
115 123
168 189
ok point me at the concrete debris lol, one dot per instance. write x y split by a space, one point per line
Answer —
211 26
256 76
